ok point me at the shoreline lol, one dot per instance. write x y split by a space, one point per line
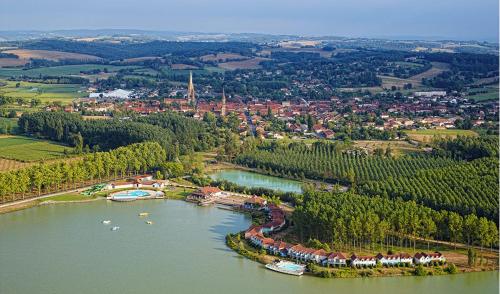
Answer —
344 272
212 168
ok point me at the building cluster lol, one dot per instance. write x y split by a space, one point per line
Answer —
257 236
432 109
139 181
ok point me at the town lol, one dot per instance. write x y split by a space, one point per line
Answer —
437 110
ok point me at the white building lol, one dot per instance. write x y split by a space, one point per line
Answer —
430 94
115 94
358 261
335 259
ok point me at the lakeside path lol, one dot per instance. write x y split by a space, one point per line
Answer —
26 203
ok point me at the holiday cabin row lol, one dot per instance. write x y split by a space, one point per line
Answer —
255 235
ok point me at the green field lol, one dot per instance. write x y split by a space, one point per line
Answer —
44 92
63 70
28 149
492 94
408 64
428 135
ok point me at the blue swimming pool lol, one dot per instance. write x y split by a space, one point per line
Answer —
131 194
290 266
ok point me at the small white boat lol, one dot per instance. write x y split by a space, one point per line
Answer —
115 228
144 214
106 222
149 222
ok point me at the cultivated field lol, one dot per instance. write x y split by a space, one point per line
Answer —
416 80
491 93
398 147
221 57
51 55
12 62
437 68
64 70
426 136
27 149
253 63
180 66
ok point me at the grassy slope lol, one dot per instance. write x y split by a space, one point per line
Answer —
28 149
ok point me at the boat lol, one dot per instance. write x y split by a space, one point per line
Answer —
115 228
144 214
149 222
106 222
286 267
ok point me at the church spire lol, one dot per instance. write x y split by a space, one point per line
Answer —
190 92
223 109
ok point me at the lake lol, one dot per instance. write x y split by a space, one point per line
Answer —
251 179
65 248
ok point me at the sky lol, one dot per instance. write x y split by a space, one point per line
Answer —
451 19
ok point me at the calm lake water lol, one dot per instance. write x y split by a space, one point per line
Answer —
64 248
251 179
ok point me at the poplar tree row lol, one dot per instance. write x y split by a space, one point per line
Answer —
91 168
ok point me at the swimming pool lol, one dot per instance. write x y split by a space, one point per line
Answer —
130 195
287 267
290 266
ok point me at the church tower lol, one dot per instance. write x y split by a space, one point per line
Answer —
190 93
223 109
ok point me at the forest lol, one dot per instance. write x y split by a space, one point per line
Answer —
90 168
112 51
333 162
351 221
438 182
175 133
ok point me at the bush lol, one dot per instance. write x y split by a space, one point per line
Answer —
420 271
451 269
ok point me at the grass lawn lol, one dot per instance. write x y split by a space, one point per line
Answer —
28 149
428 135
177 193
69 197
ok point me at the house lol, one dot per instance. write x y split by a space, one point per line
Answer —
279 248
406 258
358 261
254 202
335 259
424 258
253 230
205 193
319 255
260 241
388 260
436 257
121 185
153 184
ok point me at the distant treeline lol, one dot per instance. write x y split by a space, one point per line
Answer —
112 51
